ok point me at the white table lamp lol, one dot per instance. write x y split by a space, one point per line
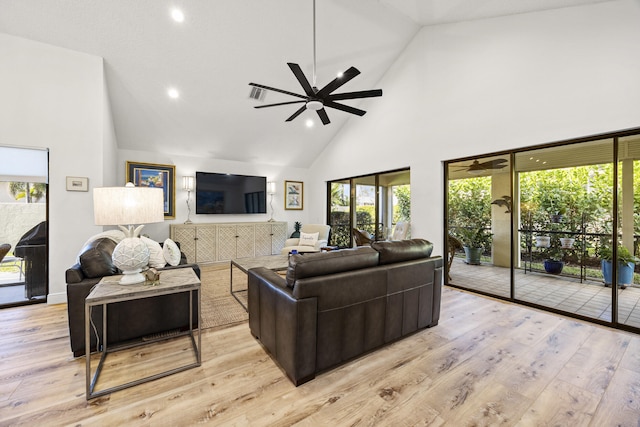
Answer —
129 205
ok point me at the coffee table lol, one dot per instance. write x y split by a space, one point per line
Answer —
272 262
109 291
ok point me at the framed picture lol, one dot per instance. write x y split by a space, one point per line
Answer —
77 183
158 176
293 195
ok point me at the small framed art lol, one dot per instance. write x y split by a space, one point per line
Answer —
77 183
158 176
293 195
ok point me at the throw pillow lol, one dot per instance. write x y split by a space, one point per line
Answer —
308 239
115 235
171 252
156 256
95 258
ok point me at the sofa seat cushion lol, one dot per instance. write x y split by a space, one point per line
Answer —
95 258
323 263
403 250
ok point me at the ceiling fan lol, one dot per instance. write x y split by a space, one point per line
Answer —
317 99
479 167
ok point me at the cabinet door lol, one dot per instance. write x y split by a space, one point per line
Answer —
205 243
226 242
263 239
186 236
245 245
278 237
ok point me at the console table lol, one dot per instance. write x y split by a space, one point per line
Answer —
223 241
109 291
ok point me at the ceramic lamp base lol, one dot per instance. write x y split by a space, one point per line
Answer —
131 278
131 255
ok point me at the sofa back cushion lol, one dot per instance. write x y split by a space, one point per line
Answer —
95 258
323 263
403 250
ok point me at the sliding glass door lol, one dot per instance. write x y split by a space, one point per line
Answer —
372 204
557 227
564 212
479 218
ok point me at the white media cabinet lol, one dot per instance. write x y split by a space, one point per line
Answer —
223 241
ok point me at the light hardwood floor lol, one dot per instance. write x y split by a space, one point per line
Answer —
486 363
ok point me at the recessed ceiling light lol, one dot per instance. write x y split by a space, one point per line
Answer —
309 123
173 93
177 15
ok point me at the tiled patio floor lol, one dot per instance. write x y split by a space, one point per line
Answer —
589 299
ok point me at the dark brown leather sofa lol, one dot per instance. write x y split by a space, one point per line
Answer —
337 305
126 321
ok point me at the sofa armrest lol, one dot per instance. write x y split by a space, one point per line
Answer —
74 274
285 326
321 244
291 242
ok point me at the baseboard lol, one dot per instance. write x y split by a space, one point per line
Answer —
57 298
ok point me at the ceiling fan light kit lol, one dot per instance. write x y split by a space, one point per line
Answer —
317 99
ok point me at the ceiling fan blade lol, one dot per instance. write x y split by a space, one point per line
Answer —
323 116
355 95
277 90
497 164
302 79
297 113
338 81
345 108
279 103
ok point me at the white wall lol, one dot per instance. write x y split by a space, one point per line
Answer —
190 165
54 98
483 86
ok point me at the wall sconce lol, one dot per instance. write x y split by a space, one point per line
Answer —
271 190
188 184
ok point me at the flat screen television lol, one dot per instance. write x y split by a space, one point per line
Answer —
220 193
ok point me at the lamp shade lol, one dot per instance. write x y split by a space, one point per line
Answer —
128 205
271 187
187 183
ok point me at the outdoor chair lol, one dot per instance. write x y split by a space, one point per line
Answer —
454 245
362 238
400 231
4 259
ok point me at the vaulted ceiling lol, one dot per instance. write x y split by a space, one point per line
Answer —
221 46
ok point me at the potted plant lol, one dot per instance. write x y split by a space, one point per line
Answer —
474 241
626 265
553 263
296 230
543 241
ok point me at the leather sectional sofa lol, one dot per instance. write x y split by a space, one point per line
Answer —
128 320
335 306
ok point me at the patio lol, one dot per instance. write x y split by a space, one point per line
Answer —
589 298
11 287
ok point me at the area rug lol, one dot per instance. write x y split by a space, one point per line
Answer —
218 308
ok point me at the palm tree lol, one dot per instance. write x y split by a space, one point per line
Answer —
30 191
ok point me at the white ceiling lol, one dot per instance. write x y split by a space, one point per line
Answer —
225 44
